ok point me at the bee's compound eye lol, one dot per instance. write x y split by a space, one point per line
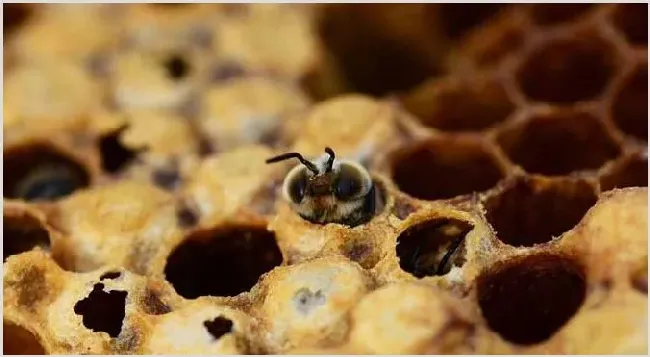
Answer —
296 185
352 182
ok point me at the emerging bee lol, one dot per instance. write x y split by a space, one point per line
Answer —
329 190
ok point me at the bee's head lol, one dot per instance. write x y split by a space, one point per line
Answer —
325 186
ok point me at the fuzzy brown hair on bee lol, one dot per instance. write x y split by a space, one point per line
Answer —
329 190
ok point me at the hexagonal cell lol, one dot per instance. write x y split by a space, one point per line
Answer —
567 70
528 299
22 232
630 106
442 168
532 211
630 171
559 142
432 247
463 105
17 340
40 172
224 261
632 21
554 14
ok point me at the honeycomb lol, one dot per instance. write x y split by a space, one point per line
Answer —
507 145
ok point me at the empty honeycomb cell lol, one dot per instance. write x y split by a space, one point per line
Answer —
114 155
527 300
632 21
532 211
443 168
629 171
225 261
567 70
18 340
558 143
433 247
553 14
630 106
461 104
22 233
40 171
103 311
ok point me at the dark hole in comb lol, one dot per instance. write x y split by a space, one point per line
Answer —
224 261
39 172
110 275
177 67
527 300
445 168
115 156
218 327
102 311
22 233
432 247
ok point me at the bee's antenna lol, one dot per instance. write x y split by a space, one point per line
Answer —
291 155
330 160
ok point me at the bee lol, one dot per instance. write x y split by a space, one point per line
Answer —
327 190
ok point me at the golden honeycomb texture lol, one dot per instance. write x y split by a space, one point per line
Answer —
507 145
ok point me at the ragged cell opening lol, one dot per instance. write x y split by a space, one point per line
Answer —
630 171
433 247
103 311
40 172
224 261
21 233
468 105
114 155
630 106
567 70
532 211
445 168
17 340
559 143
218 326
555 14
632 21
527 300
